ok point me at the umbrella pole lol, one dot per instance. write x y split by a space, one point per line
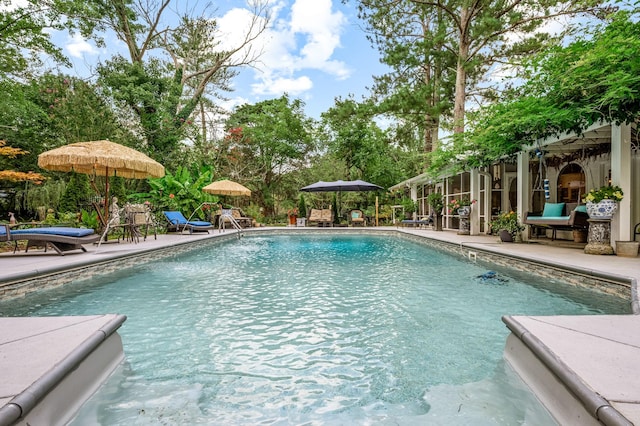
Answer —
106 196
376 210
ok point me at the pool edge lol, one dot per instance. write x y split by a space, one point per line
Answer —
566 395
57 394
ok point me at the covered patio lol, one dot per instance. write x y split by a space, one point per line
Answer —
605 153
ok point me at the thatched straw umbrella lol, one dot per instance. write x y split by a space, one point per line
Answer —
227 187
101 158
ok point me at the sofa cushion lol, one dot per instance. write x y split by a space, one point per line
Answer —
553 209
581 208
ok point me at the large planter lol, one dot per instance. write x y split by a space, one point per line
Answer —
292 220
438 222
505 236
464 211
602 210
465 227
627 248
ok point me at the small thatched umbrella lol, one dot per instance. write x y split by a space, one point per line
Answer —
101 158
227 187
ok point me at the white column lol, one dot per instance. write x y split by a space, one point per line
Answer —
488 185
524 192
474 194
621 226
414 197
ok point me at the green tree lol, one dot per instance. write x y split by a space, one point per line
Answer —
597 77
364 148
169 70
423 38
270 139
418 90
76 194
25 31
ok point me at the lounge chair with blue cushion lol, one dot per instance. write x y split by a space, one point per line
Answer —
178 223
59 238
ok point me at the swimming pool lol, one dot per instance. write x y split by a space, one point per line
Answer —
324 329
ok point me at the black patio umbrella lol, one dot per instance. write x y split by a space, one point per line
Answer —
344 185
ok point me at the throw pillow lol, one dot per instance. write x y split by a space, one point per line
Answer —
552 209
581 208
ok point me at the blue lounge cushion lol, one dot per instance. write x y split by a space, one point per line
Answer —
581 208
177 218
53 230
553 209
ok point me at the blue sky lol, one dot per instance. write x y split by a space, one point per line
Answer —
314 50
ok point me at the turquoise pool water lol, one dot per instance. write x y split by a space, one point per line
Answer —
314 330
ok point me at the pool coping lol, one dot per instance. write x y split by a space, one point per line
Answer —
81 345
478 250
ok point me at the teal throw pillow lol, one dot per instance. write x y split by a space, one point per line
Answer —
553 209
581 208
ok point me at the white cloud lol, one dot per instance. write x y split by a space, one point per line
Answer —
301 39
77 46
322 29
278 86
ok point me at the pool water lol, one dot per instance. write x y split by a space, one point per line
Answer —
323 329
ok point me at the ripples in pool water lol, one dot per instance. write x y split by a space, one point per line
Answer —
314 330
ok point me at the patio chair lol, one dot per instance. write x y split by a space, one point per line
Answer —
225 215
117 222
357 218
140 218
59 238
178 223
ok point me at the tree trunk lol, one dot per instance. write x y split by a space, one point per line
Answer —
461 72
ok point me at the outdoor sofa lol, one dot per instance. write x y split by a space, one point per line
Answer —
555 216
320 217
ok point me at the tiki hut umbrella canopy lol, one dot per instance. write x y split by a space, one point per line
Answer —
101 158
227 187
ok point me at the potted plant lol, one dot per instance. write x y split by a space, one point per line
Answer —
602 202
409 206
461 205
436 202
507 226
293 215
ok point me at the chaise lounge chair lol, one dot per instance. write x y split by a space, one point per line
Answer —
178 223
59 238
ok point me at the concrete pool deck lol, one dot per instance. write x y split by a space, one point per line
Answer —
581 367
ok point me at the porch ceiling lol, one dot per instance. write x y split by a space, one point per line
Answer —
592 139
